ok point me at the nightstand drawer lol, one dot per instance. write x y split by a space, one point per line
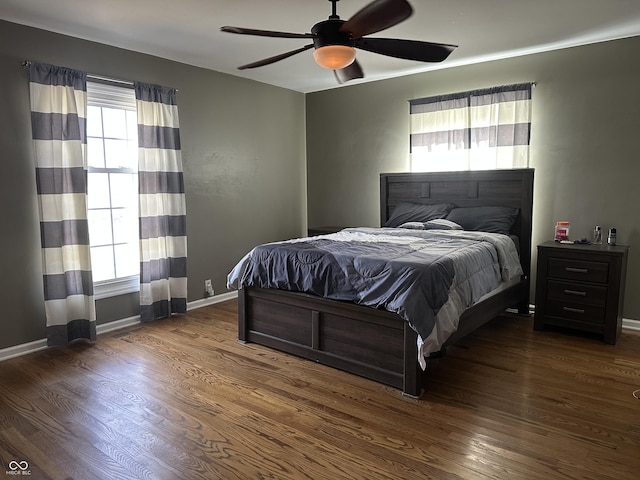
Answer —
583 294
576 311
580 270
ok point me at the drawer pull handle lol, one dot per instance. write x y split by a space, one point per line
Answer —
576 270
574 310
576 292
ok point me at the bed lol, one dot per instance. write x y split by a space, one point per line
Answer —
374 342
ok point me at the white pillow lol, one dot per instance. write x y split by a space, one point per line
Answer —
413 225
436 224
441 224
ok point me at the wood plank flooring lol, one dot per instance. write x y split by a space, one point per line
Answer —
182 399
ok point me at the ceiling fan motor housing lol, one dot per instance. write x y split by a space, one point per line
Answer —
328 32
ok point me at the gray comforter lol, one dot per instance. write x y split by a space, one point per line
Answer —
427 277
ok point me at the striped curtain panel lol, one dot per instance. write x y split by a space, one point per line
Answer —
58 119
477 130
163 233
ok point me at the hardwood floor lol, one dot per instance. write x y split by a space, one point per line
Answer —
182 399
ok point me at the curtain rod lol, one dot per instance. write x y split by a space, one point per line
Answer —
97 78
101 79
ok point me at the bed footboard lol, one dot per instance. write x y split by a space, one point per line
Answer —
374 344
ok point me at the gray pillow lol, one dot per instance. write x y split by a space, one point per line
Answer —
485 219
417 212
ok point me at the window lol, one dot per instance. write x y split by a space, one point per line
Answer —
112 157
477 130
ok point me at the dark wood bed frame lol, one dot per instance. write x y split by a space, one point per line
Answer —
374 343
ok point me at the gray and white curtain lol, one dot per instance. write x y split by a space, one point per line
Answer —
476 130
58 119
163 236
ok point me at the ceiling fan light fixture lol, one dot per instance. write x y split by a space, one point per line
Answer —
334 57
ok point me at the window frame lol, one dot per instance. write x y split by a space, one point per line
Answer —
106 94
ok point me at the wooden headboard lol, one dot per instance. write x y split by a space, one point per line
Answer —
506 188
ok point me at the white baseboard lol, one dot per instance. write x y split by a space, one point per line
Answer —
223 297
629 324
22 349
31 347
117 324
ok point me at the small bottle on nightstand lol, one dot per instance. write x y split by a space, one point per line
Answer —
597 235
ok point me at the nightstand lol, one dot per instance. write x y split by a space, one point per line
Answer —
313 231
581 287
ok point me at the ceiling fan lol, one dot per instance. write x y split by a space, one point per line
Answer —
335 40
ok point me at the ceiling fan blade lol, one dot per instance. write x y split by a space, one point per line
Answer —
407 49
282 56
377 16
265 33
350 72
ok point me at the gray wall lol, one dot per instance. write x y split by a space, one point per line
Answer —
586 118
244 150
244 162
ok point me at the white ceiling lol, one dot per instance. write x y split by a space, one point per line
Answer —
188 30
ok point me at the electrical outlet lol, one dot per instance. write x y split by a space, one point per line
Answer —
208 287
